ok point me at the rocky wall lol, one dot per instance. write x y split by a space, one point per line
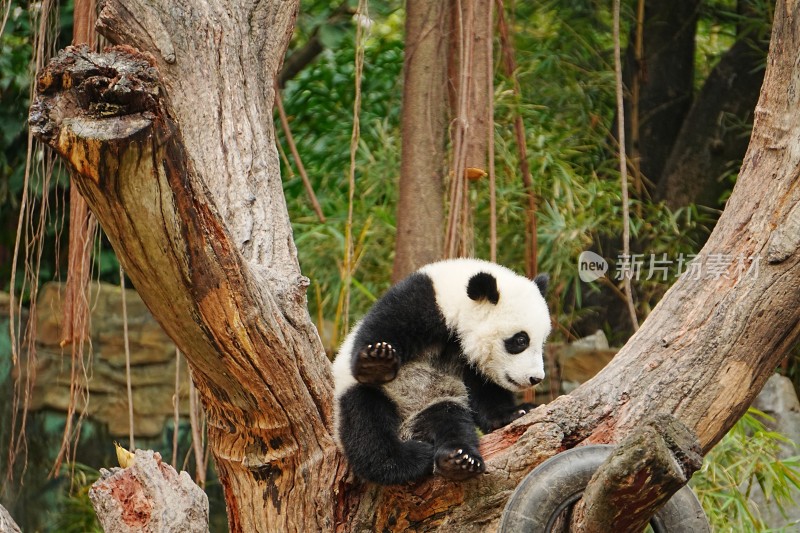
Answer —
102 373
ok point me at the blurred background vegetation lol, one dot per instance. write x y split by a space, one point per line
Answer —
563 52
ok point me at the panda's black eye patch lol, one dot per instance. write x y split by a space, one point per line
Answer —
518 343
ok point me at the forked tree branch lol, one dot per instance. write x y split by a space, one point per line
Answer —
193 215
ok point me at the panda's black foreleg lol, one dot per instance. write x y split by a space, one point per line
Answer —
490 417
404 323
492 405
451 429
368 430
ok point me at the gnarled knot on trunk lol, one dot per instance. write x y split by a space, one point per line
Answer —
120 81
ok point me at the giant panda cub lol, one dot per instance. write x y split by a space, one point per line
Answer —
441 352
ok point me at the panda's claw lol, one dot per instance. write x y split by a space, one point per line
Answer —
376 364
459 464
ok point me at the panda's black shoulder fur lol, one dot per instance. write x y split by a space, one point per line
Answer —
407 317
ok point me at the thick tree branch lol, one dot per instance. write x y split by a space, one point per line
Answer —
218 64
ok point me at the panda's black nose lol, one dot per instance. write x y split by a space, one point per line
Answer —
535 381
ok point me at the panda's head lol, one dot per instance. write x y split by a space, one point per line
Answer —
501 318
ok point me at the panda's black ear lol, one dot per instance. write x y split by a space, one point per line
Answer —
483 286
541 281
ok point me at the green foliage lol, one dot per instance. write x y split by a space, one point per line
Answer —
747 456
16 62
319 104
332 19
76 511
15 57
563 53
567 104
721 23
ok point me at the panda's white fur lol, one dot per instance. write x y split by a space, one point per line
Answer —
482 326
396 430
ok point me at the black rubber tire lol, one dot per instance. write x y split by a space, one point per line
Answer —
558 483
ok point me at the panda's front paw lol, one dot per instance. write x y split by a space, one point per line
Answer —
459 464
520 410
376 364
505 418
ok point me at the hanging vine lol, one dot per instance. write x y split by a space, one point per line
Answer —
456 242
126 341
348 267
34 212
82 233
623 171
490 134
510 70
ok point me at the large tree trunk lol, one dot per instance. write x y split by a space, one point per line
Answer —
198 220
188 191
713 137
666 81
420 210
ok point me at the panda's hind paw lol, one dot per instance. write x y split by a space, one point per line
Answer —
376 364
459 464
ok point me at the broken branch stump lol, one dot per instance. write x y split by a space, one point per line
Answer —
638 478
149 495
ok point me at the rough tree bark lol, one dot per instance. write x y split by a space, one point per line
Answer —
420 210
474 26
183 177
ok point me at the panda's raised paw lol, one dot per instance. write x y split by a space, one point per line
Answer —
376 364
459 464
